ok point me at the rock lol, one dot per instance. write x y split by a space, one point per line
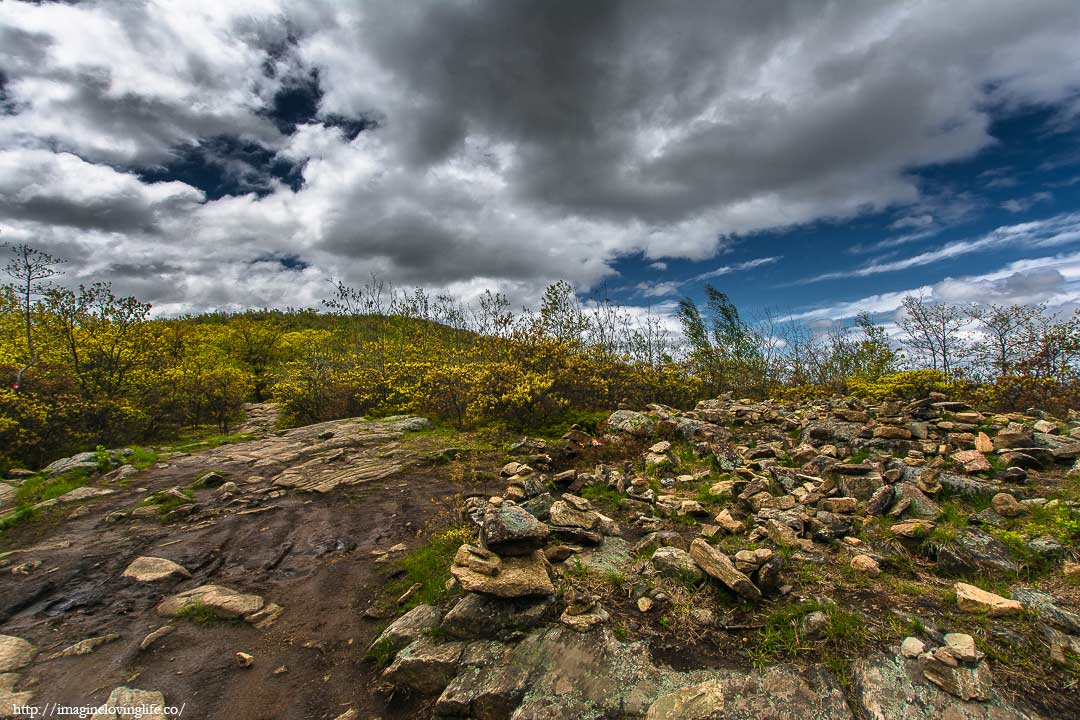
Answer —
15 653
983 443
349 714
912 528
84 647
914 501
865 564
644 604
517 577
972 599
631 423
976 552
962 647
777 693
972 461
1006 505
966 683
1012 437
511 530
585 621
563 514
675 563
425 665
8 697
125 703
478 559
813 626
154 636
892 432
407 628
244 660
154 569
845 505
890 688
719 566
880 502
912 647
223 602
87 461
482 616
483 693
1045 606
728 523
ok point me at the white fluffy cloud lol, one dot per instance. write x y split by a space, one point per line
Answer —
515 143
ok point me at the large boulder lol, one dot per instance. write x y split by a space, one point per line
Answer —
407 628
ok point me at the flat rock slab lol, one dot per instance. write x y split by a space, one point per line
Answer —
15 653
972 599
223 602
517 577
154 569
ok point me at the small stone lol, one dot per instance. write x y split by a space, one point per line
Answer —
1006 505
85 647
912 528
866 564
972 599
983 443
644 604
912 647
1071 569
243 659
962 647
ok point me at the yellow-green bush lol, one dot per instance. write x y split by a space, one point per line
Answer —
906 385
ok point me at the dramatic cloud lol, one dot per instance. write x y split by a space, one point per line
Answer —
463 144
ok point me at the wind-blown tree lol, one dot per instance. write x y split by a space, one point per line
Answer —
724 349
1006 336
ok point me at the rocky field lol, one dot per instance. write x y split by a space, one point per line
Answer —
741 560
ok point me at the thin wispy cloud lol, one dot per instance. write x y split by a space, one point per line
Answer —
1059 230
674 287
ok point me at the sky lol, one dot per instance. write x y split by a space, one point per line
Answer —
813 158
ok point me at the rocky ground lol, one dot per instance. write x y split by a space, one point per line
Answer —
741 560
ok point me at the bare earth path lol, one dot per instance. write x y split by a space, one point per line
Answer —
310 506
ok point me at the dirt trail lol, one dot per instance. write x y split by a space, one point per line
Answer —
310 552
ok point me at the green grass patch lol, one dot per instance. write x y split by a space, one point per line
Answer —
199 614
781 636
206 442
39 488
429 565
604 495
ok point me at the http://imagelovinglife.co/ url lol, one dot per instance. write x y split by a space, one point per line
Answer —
128 712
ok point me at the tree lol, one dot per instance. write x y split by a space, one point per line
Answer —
932 330
725 349
31 270
1006 335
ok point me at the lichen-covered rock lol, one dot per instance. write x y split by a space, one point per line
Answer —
15 653
223 602
408 628
425 665
511 530
673 562
631 423
483 616
125 702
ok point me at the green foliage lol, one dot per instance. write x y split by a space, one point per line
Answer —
199 614
906 385
39 488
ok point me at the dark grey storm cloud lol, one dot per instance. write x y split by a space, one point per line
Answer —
469 143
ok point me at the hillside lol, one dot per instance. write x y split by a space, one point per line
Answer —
831 559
